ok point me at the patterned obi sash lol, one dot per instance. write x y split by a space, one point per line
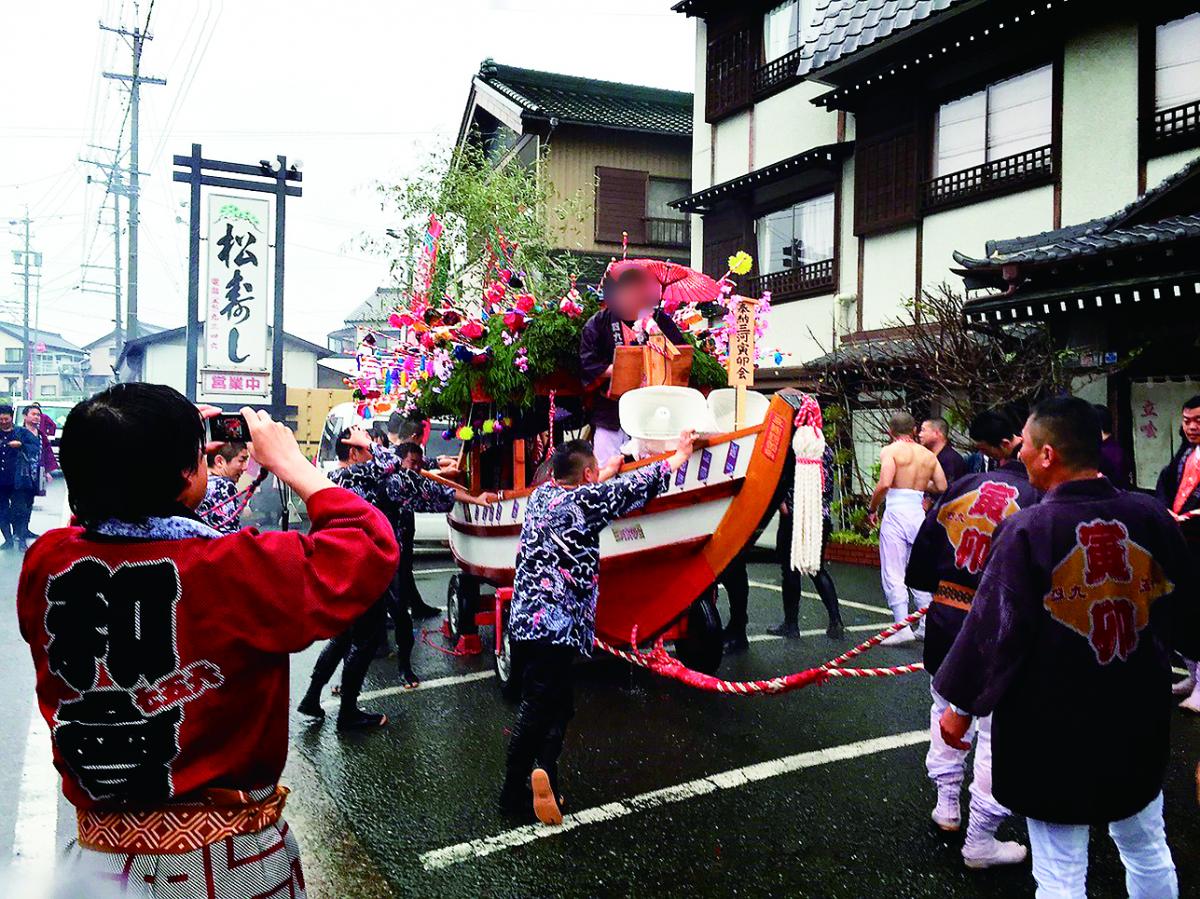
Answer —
176 829
954 595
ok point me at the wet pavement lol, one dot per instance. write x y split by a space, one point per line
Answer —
821 792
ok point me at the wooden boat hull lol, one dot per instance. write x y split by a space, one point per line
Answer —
655 562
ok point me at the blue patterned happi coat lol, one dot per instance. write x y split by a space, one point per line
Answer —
558 565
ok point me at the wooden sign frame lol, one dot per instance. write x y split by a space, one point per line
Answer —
630 369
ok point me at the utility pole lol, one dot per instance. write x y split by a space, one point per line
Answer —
28 257
134 80
115 187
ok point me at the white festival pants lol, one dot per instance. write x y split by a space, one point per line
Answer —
902 518
1060 856
946 765
606 443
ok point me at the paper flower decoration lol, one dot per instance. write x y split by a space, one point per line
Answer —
522 360
740 262
570 305
488 426
465 433
514 320
472 330
524 303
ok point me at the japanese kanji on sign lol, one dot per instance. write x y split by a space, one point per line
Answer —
237 292
741 355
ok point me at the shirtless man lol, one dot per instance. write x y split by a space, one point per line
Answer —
906 471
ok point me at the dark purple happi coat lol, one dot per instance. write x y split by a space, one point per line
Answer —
1068 646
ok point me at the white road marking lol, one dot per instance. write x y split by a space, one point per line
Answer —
849 603
814 632
37 811
437 859
425 685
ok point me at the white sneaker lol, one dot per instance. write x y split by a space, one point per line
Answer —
1191 704
946 814
1184 687
900 638
995 853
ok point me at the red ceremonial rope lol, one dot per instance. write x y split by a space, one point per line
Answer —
241 498
663 663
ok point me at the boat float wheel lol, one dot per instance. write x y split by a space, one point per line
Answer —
702 648
508 668
462 595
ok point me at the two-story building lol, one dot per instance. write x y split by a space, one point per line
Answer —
626 149
57 367
856 146
100 368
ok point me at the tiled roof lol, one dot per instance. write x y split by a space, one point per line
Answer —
586 101
1151 219
847 26
823 156
51 339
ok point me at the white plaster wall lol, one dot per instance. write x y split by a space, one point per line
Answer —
1099 122
732 149
787 124
889 275
1163 166
299 368
801 329
701 137
967 229
847 242
166 363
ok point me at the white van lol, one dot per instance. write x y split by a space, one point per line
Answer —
432 531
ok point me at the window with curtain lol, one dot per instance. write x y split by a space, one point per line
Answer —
797 236
786 27
1003 119
13 354
1177 63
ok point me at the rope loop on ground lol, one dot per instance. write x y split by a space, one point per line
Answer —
664 664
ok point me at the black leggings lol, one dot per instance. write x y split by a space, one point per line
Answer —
547 707
791 582
354 648
736 582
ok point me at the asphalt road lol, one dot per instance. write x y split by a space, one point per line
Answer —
821 792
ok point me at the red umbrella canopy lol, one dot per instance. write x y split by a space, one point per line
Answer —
680 284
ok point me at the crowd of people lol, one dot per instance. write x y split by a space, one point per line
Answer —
1054 600
26 461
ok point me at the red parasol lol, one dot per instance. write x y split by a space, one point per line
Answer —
680 284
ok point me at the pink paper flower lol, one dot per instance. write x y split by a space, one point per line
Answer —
524 302
514 320
472 330
570 305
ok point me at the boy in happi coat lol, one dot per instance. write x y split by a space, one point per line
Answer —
375 474
947 560
553 615
161 652
1068 646
219 509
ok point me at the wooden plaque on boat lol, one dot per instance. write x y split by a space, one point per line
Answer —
630 370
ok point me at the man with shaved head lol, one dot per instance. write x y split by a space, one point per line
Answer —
1067 646
906 471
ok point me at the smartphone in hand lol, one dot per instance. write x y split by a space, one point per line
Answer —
228 428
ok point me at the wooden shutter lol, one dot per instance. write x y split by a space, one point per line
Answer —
732 56
621 204
726 231
886 178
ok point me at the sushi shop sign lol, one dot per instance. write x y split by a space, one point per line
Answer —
237 291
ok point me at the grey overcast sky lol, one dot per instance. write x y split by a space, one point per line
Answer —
359 90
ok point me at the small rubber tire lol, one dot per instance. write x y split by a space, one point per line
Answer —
460 607
704 645
507 663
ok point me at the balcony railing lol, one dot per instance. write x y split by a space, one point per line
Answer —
1177 122
993 177
792 283
668 232
777 72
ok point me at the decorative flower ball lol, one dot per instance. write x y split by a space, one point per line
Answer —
514 320
466 433
447 434
489 426
472 330
741 262
524 302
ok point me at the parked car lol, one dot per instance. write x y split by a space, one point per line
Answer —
432 531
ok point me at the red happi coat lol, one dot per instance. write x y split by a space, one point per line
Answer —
1068 646
162 665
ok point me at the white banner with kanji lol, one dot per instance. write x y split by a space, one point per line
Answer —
237 284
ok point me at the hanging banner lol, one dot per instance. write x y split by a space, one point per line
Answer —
238 291
1155 407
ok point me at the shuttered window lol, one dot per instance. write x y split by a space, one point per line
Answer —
732 57
621 204
725 232
885 180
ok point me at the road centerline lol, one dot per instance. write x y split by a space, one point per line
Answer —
448 856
